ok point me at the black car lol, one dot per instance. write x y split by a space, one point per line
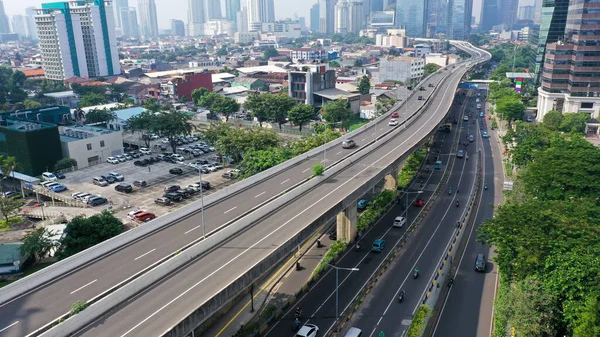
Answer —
480 263
157 159
184 193
174 197
190 190
59 175
176 170
135 154
163 201
205 185
151 160
172 188
109 179
140 162
169 160
202 161
124 188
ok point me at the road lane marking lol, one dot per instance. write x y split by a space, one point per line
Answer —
76 290
285 181
373 134
306 170
245 251
258 195
193 229
363 139
17 322
139 257
229 210
338 153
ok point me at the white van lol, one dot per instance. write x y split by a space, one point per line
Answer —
478 106
354 332
49 176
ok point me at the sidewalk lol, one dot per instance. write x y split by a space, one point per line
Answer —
277 290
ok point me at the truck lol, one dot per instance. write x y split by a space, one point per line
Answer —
448 127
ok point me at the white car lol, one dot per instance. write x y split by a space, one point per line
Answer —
121 158
210 167
112 160
131 215
145 150
399 221
308 330
195 187
178 157
466 118
393 122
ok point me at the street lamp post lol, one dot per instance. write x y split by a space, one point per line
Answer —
202 204
337 286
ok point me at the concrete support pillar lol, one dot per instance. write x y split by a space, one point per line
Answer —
346 224
391 181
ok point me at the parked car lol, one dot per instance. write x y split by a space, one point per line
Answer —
193 187
145 150
399 222
128 156
131 215
141 162
228 175
205 185
135 154
58 188
163 201
97 200
11 194
49 176
109 179
117 176
99 181
176 170
420 98
348 144
144 216
112 160
184 193
172 188
140 183
59 175
124 188
174 197
121 158
378 246
79 196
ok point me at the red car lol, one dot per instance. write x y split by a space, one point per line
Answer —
446 68
144 216
419 203
395 115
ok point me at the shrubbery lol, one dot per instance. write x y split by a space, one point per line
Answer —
411 167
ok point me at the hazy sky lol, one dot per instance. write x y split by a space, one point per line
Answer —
177 9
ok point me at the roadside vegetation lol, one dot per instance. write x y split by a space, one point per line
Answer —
410 168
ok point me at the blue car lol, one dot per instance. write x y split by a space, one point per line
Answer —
481 114
58 188
362 204
378 246
484 134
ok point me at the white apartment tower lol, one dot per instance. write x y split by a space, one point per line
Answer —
341 17
355 16
261 11
147 18
77 38
129 22
196 17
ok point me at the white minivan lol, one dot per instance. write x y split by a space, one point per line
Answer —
399 221
49 176
354 332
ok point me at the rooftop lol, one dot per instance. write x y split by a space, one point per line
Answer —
216 78
128 113
520 75
77 133
170 73
61 94
23 177
262 69
334 93
10 252
25 125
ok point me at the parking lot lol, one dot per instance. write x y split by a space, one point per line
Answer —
156 176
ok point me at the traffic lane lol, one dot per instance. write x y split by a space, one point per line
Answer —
354 175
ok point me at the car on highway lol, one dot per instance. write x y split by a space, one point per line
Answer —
399 222
378 246
481 114
420 98
419 203
112 160
308 330
144 216
176 170
393 122
438 165
465 118
484 134
480 263
471 138
460 154
362 204
348 144
163 201
124 188
395 115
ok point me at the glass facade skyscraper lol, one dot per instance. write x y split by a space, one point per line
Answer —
412 15
548 27
458 25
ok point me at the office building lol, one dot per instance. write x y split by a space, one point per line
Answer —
526 12
289 29
571 72
241 20
459 19
403 69
129 22
437 18
213 9
31 12
308 55
387 40
327 16
412 15
341 17
548 27
19 25
119 5
261 11
4 24
314 18
231 8
508 12
196 17
147 18
375 6
89 145
77 39
490 15
312 78
356 19
177 28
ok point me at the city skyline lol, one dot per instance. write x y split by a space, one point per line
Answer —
283 9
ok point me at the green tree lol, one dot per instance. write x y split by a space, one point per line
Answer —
256 103
334 64
271 52
574 122
31 104
236 142
553 119
364 86
527 139
337 111
318 169
99 116
222 51
301 114
225 106
197 94
587 323
65 163
430 68
256 161
173 124
37 243
311 142
206 100
510 109
8 207
92 99
7 166
278 106
151 105
82 233
143 122
215 131
78 307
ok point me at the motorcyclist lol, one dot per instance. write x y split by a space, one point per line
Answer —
485 186
416 272
457 203
401 296
450 190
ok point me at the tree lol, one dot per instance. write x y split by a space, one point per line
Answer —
143 122
197 94
236 142
37 243
151 105
525 141
31 104
334 64
92 99
222 51
358 63
301 114
65 163
173 124
574 122
271 52
8 206
553 119
430 68
337 111
587 323
256 104
315 141
82 233
256 161
215 131
225 106
278 106
510 108
99 116
364 86
318 169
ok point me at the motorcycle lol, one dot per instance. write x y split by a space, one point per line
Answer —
357 247
449 191
416 273
485 186
457 203
401 296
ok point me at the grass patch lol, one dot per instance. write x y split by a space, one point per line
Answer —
28 271
418 323
508 168
356 123
501 308
5 226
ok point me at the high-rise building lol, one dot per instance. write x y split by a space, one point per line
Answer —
526 12
4 24
458 25
490 15
356 19
314 17
327 16
231 8
129 22
571 72
213 9
375 6
437 18
30 13
261 11
77 39
19 25
177 28
118 6
196 17
508 12
548 27
412 15
341 17
241 20
147 18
